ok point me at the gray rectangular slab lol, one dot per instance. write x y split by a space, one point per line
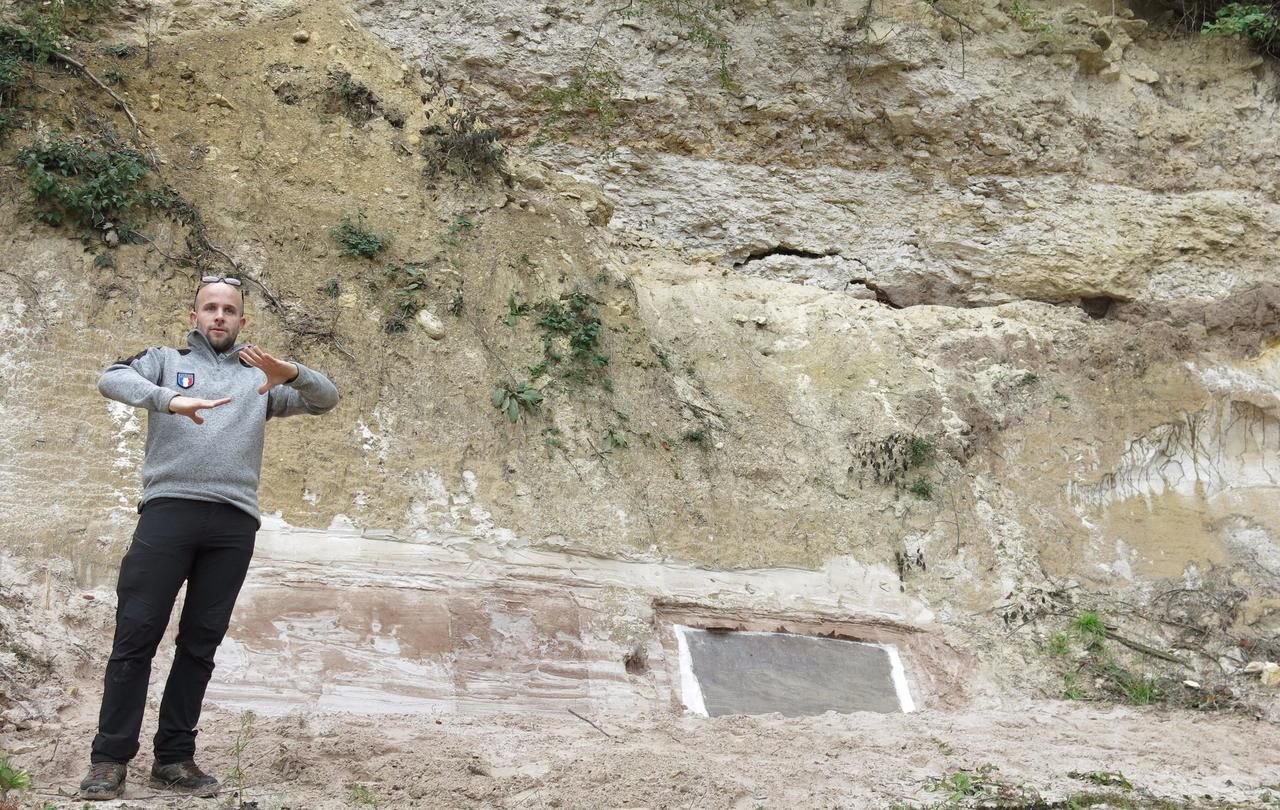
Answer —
757 673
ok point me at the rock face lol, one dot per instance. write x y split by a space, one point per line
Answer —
986 303
1057 154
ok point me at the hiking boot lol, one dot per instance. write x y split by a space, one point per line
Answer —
105 781
184 777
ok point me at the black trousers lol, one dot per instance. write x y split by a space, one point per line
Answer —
208 546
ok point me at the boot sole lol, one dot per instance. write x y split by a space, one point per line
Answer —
206 792
100 796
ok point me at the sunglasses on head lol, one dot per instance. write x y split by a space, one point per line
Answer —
234 282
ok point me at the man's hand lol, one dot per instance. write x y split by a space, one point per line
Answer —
278 371
189 406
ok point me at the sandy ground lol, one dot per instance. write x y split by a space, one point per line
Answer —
666 761
516 748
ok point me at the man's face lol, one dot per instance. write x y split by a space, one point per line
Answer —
219 314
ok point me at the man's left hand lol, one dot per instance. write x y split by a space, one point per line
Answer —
278 371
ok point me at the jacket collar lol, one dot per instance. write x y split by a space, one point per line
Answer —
199 343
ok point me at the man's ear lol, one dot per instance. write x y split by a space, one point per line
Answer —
193 318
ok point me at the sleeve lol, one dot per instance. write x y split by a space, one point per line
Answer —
310 392
136 381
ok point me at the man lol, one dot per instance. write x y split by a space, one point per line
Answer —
207 411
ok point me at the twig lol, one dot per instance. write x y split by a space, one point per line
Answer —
84 71
1145 650
156 248
588 722
933 4
704 410
598 453
234 264
275 302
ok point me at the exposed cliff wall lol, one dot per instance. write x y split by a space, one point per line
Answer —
988 319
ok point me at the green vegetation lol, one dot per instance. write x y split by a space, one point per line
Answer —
1088 627
240 768
36 34
664 357
590 94
11 73
514 399
573 325
460 225
1259 24
1028 18
515 310
551 438
1059 644
572 356
408 285
356 238
889 460
695 436
1070 690
922 489
119 50
966 787
922 451
89 183
1103 779
1095 670
613 438
12 780
361 795
1138 690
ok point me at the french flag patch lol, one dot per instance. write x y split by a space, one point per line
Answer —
186 379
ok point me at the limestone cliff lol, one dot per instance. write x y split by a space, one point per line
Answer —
978 302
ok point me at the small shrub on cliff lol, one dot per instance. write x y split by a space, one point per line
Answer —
356 238
1028 18
513 399
463 145
922 489
408 283
1260 24
590 94
574 325
84 182
11 71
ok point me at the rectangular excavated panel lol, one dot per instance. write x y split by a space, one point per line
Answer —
727 672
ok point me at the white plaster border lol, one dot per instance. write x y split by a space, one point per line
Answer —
690 689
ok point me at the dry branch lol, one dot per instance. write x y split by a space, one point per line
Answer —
1145 650
88 74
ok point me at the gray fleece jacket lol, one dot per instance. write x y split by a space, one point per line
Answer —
220 460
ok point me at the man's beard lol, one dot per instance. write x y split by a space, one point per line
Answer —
221 345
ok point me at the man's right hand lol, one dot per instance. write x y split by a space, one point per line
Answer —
189 406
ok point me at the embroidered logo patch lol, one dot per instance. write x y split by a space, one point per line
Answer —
186 379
